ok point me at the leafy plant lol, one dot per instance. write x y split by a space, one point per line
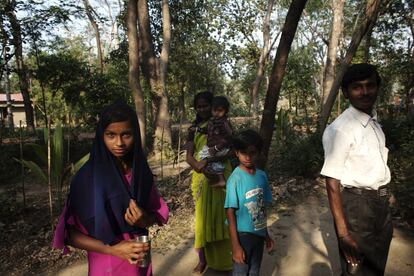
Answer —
60 172
400 140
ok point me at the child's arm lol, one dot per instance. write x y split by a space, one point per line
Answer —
238 253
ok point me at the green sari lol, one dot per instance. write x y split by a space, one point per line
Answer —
211 232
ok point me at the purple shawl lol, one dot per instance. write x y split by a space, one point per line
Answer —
99 194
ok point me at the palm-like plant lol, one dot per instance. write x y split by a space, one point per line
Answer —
59 172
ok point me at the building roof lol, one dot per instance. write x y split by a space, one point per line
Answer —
14 97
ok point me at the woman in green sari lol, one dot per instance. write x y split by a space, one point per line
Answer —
212 240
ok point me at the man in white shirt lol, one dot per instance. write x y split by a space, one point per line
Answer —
357 175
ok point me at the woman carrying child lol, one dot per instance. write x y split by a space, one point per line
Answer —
112 199
212 241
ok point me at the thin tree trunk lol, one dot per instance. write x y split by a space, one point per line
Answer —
113 36
329 73
155 70
49 169
133 70
370 19
22 166
264 53
89 11
367 45
21 68
181 102
162 120
278 72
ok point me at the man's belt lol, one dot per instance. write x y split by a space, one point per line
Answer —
382 191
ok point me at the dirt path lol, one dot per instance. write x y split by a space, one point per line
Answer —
305 245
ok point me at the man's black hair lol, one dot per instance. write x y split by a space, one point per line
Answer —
359 72
247 138
220 101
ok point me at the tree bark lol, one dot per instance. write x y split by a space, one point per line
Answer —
264 53
181 102
155 70
133 70
114 28
277 74
336 31
370 19
368 37
89 11
20 66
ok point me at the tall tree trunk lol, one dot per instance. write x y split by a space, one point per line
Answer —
276 77
162 120
155 70
367 45
89 12
113 36
181 102
21 67
370 19
264 53
133 70
329 72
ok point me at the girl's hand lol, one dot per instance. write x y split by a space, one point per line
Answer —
135 215
131 250
269 244
199 166
238 254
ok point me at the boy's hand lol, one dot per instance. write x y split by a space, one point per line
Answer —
269 244
238 254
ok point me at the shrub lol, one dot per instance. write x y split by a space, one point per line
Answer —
299 155
400 141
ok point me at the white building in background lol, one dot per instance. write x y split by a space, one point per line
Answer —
17 109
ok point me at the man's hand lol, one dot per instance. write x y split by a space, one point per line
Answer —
349 248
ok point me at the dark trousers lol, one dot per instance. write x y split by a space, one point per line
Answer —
253 250
369 223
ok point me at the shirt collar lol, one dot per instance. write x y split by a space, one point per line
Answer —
362 117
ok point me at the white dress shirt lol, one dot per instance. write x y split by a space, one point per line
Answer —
355 151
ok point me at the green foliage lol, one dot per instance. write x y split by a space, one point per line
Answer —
400 140
8 169
294 152
299 85
61 173
73 86
302 155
